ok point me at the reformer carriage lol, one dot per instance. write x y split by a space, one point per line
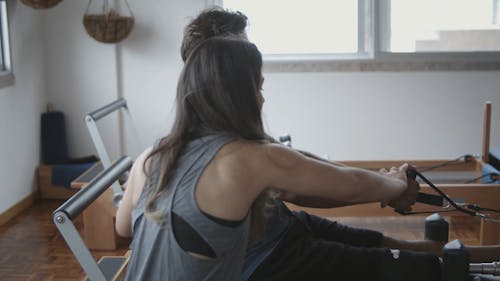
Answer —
456 266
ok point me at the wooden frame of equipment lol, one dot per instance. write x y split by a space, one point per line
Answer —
487 195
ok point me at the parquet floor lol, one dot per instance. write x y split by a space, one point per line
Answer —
32 249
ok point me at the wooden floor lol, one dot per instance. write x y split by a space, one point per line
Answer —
32 249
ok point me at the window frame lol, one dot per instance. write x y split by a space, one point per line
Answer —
382 27
373 41
6 74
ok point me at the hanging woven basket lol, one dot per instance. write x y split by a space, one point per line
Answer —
110 26
40 4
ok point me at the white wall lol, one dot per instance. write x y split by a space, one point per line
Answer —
356 116
152 63
375 115
81 75
21 106
349 116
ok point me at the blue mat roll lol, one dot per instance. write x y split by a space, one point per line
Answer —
54 144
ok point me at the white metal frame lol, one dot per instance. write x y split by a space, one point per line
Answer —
6 76
64 215
91 119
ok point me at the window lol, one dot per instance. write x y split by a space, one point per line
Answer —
371 32
305 27
444 26
6 77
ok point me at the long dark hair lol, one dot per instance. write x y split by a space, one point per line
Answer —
216 93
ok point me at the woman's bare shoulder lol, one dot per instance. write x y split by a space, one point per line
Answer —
137 176
250 151
260 154
142 157
259 162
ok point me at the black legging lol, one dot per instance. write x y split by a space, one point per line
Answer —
317 249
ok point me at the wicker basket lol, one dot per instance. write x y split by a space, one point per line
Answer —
40 4
108 28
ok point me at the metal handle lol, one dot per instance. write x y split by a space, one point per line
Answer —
430 199
492 268
78 202
107 109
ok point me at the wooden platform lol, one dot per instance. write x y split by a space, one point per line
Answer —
98 218
114 268
486 195
49 191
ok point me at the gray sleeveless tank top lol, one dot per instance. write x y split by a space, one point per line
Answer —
156 255
277 227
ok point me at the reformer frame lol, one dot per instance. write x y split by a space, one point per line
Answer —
91 121
100 214
63 217
487 195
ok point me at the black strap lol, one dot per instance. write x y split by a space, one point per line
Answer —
428 198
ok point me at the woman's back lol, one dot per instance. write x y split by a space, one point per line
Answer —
220 177
157 253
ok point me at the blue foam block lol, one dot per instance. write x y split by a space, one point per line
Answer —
489 169
494 158
62 175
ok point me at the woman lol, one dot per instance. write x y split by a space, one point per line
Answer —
198 197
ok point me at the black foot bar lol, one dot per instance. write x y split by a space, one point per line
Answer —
455 265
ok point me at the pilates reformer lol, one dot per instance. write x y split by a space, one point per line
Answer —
440 199
100 233
455 261
465 180
91 121
455 264
110 268
480 200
